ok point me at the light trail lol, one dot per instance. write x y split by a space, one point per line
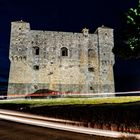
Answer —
64 94
33 120
20 114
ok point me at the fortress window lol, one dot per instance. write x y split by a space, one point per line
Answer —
36 67
19 49
91 53
64 51
91 88
36 50
91 69
24 57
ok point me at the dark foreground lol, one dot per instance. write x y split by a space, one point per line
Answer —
122 116
16 131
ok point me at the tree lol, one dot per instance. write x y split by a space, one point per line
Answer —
132 30
129 36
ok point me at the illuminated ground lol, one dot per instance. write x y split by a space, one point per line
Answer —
72 101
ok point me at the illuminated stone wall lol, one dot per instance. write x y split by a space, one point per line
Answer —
60 61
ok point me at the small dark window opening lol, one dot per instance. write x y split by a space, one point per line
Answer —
50 73
91 69
91 88
64 51
36 67
36 50
24 57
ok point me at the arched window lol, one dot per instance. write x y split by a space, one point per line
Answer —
64 51
24 58
36 50
91 53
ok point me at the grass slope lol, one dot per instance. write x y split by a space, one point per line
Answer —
72 101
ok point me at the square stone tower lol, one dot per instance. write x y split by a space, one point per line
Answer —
60 61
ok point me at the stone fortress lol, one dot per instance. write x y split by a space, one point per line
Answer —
60 61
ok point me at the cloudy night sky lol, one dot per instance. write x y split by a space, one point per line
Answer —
69 16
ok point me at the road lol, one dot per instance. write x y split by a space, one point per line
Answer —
16 131
20 126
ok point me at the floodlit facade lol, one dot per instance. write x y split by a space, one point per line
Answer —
60 61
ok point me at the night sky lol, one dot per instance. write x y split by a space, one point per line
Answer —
69 16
